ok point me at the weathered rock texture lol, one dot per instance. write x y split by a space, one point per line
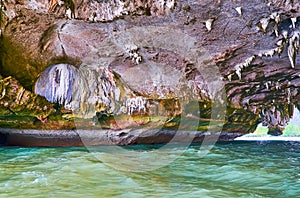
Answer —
83 90
14 99
95 137
238 54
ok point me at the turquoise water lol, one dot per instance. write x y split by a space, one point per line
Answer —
228 170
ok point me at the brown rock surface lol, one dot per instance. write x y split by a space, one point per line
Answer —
16 100
209 53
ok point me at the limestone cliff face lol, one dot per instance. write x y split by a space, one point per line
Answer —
135 56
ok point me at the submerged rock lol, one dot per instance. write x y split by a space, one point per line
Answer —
275 132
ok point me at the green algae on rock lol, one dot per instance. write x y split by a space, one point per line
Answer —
16 100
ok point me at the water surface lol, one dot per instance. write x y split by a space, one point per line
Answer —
239 169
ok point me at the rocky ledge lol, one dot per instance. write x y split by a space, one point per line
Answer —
166 65
80 137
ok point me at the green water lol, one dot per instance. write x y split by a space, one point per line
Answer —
228 170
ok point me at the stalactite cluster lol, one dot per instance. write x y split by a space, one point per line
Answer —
102 11
285 4
276 117
82 90
87 91
288 34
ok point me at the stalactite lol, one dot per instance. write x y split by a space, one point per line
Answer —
209 24
285 4
134 54
136 105
83 90
56 83
289 33
276 117
100 11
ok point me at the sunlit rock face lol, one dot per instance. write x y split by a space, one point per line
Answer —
95 10
109 10
83 90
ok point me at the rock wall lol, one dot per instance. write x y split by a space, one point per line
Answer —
239 54
15 100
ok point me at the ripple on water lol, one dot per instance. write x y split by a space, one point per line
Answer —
228 170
